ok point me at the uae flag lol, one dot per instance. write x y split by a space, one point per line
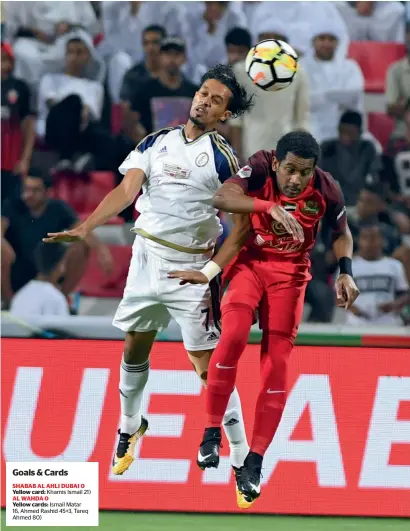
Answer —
290 207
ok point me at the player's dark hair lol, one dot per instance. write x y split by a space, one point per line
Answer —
239 37
240 101
36 173
155 28
47 256
352 118
300 143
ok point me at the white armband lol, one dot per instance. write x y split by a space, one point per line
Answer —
211 270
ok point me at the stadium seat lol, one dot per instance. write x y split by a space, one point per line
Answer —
381 126
95 284
83 192
374 59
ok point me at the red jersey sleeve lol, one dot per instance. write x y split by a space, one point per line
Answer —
335 215
253 175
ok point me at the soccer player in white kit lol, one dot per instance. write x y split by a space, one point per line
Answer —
179 170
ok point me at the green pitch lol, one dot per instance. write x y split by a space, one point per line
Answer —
125 521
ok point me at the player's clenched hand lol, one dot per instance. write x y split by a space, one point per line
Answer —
74 235
291 225
346 291
189 277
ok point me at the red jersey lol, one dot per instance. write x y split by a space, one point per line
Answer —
323 198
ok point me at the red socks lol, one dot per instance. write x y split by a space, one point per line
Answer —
236 324
275 351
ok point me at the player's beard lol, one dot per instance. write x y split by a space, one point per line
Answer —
197 122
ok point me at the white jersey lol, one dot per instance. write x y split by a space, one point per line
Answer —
379 281
176 213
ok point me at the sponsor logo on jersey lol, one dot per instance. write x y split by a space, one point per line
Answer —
202 160
245 172
310 208
163 150
173 170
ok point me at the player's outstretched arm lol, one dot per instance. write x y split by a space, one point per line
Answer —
231 198
115 202
346 289
230 248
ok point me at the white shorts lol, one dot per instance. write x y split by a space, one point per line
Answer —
151 298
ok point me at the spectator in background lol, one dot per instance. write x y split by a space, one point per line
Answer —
384 289
138 74
335 85
209 22
351 160
166 100
41 296
372 209
274 113
17 126
398 88
124 24
148 67
25 221
69 110
374 21
396 160
238 42
38 30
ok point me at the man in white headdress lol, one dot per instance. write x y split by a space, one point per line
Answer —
274 113
39 30
374 21
209 22
336 84
298 18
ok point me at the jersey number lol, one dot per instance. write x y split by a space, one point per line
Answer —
206 312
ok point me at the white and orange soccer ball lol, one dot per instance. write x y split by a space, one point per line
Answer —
272 64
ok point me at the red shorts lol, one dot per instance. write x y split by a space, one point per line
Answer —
273 287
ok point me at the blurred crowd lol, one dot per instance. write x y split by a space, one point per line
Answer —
83 82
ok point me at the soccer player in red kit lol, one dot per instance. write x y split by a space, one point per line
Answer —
282 195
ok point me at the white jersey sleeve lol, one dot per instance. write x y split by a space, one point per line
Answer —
226 160
140 157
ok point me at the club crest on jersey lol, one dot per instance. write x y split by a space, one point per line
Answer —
202 160
278 228
310 208
173 170
245 172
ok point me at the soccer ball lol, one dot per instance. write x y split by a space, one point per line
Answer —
272 64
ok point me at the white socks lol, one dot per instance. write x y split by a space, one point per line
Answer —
133 379
235 430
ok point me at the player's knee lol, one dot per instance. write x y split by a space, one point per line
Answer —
236 323
138 347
